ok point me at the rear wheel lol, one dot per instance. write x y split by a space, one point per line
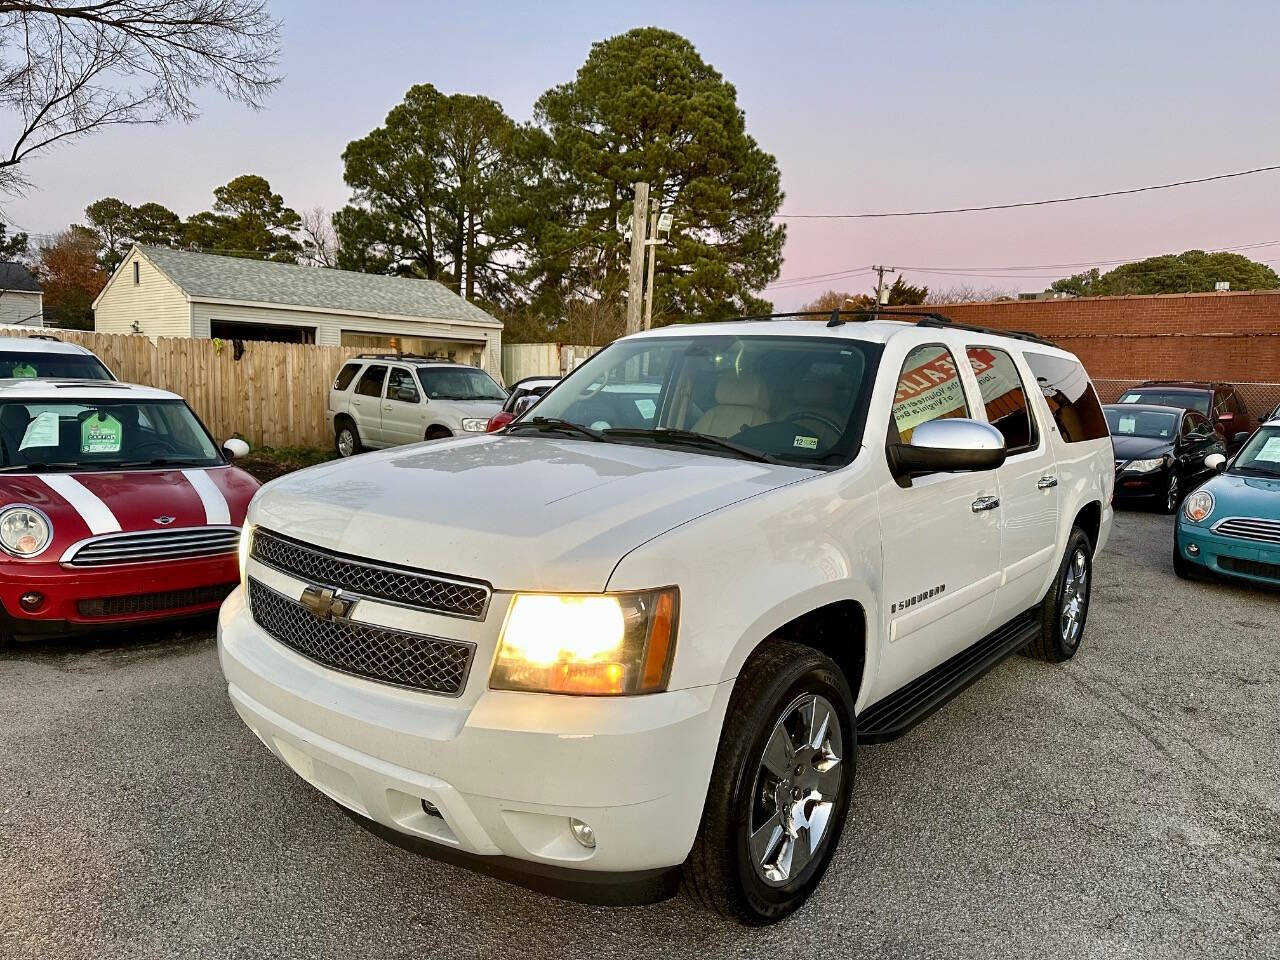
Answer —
346 439
780 788
437 433
1066 607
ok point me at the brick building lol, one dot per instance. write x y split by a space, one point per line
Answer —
1232 336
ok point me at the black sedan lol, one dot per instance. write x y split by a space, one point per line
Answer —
1160 452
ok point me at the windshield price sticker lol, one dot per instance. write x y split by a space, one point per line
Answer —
41 432
1270 451
806 443
100 434
1128 424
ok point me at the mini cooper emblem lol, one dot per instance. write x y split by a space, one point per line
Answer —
163 521
326 603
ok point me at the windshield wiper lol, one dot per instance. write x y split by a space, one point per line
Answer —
29 467
159 462
693 439
556 423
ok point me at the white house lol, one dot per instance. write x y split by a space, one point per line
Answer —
163 292
21 302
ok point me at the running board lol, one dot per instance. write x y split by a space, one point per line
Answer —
891 717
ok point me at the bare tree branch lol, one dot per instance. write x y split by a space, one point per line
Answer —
68 69
319 242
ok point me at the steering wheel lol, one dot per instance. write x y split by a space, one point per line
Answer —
148 448
800 419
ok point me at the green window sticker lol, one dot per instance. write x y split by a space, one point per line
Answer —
24 371
806 443
100 433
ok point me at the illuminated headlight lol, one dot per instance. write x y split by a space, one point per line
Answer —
1198 506
1145 466
246 538
24 531
596 644
475 424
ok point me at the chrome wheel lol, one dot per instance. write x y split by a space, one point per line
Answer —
346 442
1171 497
1075 597
796 787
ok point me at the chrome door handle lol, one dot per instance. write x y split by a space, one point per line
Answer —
1046 483
983 504
386 406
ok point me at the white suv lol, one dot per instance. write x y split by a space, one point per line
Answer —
640 633
385 399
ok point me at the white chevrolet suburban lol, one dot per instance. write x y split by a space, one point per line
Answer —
639 634
387 399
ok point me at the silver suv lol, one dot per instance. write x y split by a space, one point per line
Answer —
381 400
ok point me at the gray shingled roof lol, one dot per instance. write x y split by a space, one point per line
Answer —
206 276
14 276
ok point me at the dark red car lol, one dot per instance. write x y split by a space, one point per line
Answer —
1218 401
116 506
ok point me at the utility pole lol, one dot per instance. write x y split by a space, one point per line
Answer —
880 272
635 290
652 245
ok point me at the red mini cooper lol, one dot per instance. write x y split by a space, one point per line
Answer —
116 506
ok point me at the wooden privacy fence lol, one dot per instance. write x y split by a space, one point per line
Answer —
273 394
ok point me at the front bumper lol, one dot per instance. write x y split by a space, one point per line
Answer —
506 771
84 598
1232 557
1135 487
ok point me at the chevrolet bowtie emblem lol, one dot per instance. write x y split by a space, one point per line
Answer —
326 603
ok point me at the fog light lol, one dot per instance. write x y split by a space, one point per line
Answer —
1193 550
431 810
582 833
31 601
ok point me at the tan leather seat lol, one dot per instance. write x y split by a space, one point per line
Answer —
741 401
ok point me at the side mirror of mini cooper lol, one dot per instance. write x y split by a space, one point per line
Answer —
235 448
1215 461
952 445
524 403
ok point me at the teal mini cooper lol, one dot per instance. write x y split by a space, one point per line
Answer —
1230 525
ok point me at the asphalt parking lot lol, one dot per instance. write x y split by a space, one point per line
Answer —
1125 805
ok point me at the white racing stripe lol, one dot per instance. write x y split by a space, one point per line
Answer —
96 514
216 510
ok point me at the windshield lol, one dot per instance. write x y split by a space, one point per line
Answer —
459 383
1166 398
801 400
1141 423
103 434
1261 454
26 365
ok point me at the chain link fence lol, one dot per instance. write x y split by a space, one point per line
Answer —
1260 398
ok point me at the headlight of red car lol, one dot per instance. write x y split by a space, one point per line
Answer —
24 531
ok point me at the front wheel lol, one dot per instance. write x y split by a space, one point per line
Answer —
780 788
1172 494
346 439
1066 606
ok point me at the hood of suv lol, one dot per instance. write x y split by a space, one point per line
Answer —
524 512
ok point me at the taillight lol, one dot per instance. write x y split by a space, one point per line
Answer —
498 421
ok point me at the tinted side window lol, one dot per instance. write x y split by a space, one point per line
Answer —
1005 397
370 384
401 386
1195 426
929 388
345 376
1070 396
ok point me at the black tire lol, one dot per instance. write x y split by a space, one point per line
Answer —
344 425
437 433
1052 643
6 641
720 872
1172 495
1180 565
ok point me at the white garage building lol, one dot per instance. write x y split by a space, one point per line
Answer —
161 292
21 302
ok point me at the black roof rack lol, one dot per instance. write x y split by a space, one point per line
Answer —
402 356
43 336
924 318
1185 384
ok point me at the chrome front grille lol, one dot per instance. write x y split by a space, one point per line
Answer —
367 578
1249 528
365 650
151 545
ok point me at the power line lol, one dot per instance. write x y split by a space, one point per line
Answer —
1024 203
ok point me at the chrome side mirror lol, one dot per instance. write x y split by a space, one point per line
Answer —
235 448
952 445
1215 461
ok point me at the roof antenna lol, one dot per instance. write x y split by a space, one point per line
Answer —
835 320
